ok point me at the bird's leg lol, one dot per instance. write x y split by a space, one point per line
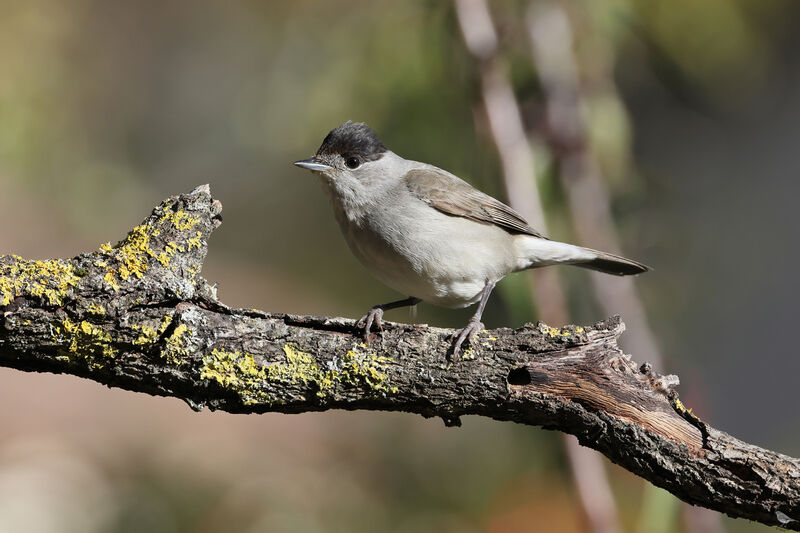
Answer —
474 325
376 313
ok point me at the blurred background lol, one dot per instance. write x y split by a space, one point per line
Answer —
691 118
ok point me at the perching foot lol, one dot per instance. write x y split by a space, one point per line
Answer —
366 322
466 335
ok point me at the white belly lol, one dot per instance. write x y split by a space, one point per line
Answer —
446 261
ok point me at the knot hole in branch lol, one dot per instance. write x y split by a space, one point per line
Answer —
519 376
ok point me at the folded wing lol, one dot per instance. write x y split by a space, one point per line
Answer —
454 196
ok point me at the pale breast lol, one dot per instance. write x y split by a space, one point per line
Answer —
421 252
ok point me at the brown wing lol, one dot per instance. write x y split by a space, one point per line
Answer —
456 197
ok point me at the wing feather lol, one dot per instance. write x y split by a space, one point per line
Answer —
454 196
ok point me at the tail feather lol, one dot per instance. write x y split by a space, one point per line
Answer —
613 264
537 252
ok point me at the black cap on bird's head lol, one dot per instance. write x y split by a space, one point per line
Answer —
353 143
353 138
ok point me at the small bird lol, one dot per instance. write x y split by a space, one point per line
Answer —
430 235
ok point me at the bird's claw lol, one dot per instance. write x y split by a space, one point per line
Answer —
466 335
374 316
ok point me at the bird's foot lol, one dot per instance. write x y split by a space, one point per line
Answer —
366 322
466 335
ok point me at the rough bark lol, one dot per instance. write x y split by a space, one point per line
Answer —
139 316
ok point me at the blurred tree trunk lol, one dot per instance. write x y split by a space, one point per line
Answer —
566 133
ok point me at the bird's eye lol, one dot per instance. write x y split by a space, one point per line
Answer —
352 162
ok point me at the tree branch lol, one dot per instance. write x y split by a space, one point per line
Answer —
139 316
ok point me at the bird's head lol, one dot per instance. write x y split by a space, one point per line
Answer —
348 151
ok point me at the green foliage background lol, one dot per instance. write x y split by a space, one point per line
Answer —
107 107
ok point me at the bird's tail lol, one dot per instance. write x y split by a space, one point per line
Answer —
539 252
613 264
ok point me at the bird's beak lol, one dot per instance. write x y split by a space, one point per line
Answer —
313 164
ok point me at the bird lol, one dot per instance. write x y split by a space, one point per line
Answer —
430 235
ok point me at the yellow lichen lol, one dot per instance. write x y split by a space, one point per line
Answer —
86 341
149 334
96 309
166 321
487 342
7 290
180 219
195 242
681 408
193 271
175 350
299 367
355 368
163 258
49 280
111 279
239 372
132 257
556 333
172 248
